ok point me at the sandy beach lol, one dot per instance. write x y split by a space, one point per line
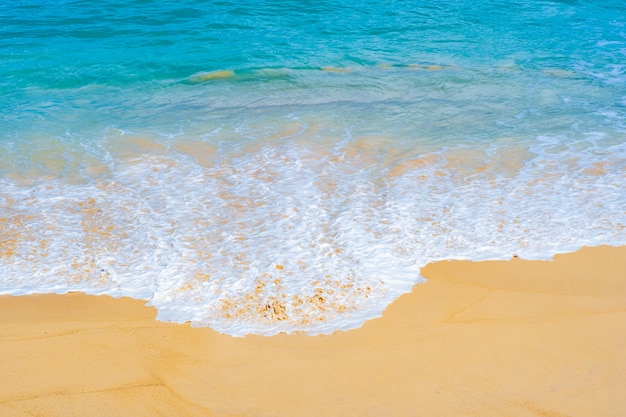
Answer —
517 338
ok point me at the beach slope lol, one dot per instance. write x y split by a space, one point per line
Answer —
517 338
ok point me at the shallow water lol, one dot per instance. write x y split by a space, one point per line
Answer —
266 166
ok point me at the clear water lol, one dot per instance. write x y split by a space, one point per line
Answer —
270 166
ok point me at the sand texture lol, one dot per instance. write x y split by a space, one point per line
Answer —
516 338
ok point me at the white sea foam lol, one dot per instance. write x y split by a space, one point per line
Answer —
298 234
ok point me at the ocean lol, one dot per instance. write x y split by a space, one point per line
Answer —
269 166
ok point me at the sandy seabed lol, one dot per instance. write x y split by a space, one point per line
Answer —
517 338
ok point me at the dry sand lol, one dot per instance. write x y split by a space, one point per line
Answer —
514 338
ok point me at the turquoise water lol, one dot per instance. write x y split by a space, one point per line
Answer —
271 166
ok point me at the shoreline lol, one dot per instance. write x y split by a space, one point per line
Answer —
491 338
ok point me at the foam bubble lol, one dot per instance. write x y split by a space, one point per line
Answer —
289 234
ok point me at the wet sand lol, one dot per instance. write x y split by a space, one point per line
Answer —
517 338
